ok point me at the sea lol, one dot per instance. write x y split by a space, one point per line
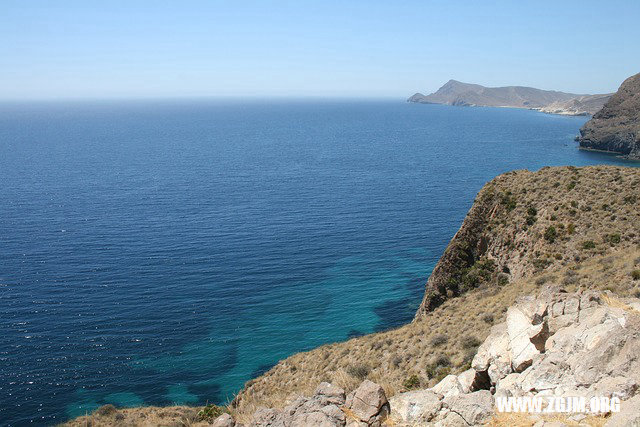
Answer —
160 252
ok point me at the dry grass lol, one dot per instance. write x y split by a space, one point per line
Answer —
177 416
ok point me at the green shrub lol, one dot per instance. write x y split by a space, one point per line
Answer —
412 382
503 279
550 234
571 185
571 228
635 274
588 244
211 412
614 238
508 201
531 211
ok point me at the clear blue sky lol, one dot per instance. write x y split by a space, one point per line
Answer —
156 48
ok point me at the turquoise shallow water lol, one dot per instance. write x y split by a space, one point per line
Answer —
166 252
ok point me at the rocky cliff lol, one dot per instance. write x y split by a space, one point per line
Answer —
465 94
616 127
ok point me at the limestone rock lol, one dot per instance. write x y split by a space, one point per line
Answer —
320 410
264 417
448 386
629 415
474 408
494 355
368 403
415 407
224 420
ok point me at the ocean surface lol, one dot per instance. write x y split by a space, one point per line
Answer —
165 252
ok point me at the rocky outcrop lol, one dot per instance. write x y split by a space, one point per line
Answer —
616 127
465 94
367 405
328 407
582 344
322 409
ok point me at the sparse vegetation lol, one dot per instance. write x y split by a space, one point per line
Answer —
412 382
106 410
358 371
614 238
210 412
439 340
470 342
550 234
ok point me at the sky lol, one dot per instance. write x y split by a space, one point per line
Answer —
325 48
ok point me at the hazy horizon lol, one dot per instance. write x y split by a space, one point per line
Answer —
258 50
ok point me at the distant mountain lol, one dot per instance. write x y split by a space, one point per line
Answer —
616 127
548 101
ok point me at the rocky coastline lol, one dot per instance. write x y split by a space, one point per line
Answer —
616 127
552 102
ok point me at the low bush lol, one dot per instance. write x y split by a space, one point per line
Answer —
470 342
439 340
106 410
412 382
358 371
210 412
487 318
550 234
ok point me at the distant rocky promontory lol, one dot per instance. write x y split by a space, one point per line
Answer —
616 127
548 101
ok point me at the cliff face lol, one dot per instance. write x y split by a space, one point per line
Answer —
522 222
466 94
616 127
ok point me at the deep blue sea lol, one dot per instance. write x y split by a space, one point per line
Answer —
160 252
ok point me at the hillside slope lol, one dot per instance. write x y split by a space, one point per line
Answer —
616 127
465 94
